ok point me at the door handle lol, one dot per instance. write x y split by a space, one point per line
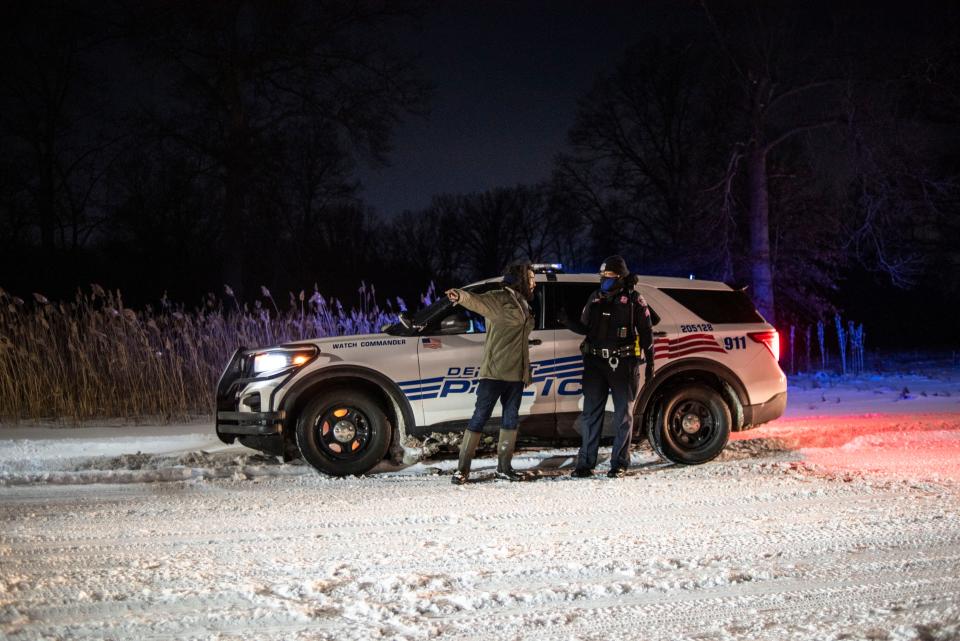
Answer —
534 341
659 333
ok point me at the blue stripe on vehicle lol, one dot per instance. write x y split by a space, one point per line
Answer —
420 397
571 374
423 390
558 368
421 381
553 361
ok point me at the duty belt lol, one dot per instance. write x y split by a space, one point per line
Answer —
612 354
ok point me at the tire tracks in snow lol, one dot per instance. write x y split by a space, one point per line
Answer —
676 553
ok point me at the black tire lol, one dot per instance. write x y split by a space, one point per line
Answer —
691 425
343 432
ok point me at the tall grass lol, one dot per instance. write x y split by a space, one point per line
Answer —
94 357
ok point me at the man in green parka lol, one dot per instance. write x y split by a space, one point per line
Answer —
505 368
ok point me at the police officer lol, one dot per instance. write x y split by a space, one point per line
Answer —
619 339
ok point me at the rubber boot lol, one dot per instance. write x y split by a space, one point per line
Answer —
468 447
505 446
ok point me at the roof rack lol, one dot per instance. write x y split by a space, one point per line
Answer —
547 268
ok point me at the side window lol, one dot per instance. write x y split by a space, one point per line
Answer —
476 323
536 307
570 297
458 320
717 306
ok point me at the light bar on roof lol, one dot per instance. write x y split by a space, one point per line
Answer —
547 268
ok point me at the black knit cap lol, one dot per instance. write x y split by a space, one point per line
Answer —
615 263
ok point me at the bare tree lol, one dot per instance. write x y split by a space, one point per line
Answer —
789 80
246 75
53 117
640 145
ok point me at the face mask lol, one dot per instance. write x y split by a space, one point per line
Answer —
608 285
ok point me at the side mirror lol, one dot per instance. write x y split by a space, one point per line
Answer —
403 326
454 324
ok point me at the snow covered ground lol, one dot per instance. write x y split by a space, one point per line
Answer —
839 521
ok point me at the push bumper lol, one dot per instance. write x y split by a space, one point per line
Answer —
756 415
230 422
250 423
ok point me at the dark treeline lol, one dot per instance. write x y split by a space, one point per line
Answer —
808 152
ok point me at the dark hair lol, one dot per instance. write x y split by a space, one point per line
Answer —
515 277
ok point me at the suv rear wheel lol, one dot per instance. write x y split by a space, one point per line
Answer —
691 426
342 432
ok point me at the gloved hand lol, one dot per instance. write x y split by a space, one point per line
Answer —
648 372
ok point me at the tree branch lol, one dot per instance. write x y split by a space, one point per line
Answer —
800 129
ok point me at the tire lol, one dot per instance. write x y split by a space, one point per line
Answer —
691 425
343 432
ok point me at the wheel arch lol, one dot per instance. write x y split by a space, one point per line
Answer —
356 377
716 375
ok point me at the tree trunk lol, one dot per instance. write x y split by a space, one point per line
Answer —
234 228
759 224
47 199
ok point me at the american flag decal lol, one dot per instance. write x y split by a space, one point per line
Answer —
431 343
666 348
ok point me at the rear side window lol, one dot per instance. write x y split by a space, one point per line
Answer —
571 298
717 306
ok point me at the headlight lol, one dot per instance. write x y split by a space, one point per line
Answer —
282 358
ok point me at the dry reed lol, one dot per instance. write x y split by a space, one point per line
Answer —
95 358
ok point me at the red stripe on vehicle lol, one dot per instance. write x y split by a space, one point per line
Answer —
683 340
694 343
687 337
692 350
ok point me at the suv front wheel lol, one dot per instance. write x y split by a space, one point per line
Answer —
691 425
342 432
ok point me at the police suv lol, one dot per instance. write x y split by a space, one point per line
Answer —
340 403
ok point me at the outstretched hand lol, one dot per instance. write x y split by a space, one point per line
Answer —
453 295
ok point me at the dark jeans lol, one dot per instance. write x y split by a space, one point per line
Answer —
489 391
598 381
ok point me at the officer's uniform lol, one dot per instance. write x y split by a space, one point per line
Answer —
619 342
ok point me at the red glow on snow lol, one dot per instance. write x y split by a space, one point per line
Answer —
909 446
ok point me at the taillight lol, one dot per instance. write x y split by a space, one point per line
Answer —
770 339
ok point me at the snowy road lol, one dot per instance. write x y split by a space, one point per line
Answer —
784 537
756 546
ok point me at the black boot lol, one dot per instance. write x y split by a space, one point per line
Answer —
468 447
505 447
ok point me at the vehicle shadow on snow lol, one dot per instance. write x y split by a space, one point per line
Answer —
560 466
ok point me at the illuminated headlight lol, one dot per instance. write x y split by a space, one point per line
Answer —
282 358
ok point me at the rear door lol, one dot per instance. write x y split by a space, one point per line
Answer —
568 298
571 296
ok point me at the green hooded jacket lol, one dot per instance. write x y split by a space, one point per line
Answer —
506 352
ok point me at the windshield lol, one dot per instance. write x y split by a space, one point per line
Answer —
428 313
425 314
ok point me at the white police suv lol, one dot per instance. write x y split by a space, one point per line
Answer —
341 402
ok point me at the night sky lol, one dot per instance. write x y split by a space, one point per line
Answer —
506 77
142 153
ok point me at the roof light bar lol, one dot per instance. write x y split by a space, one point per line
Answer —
547 268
